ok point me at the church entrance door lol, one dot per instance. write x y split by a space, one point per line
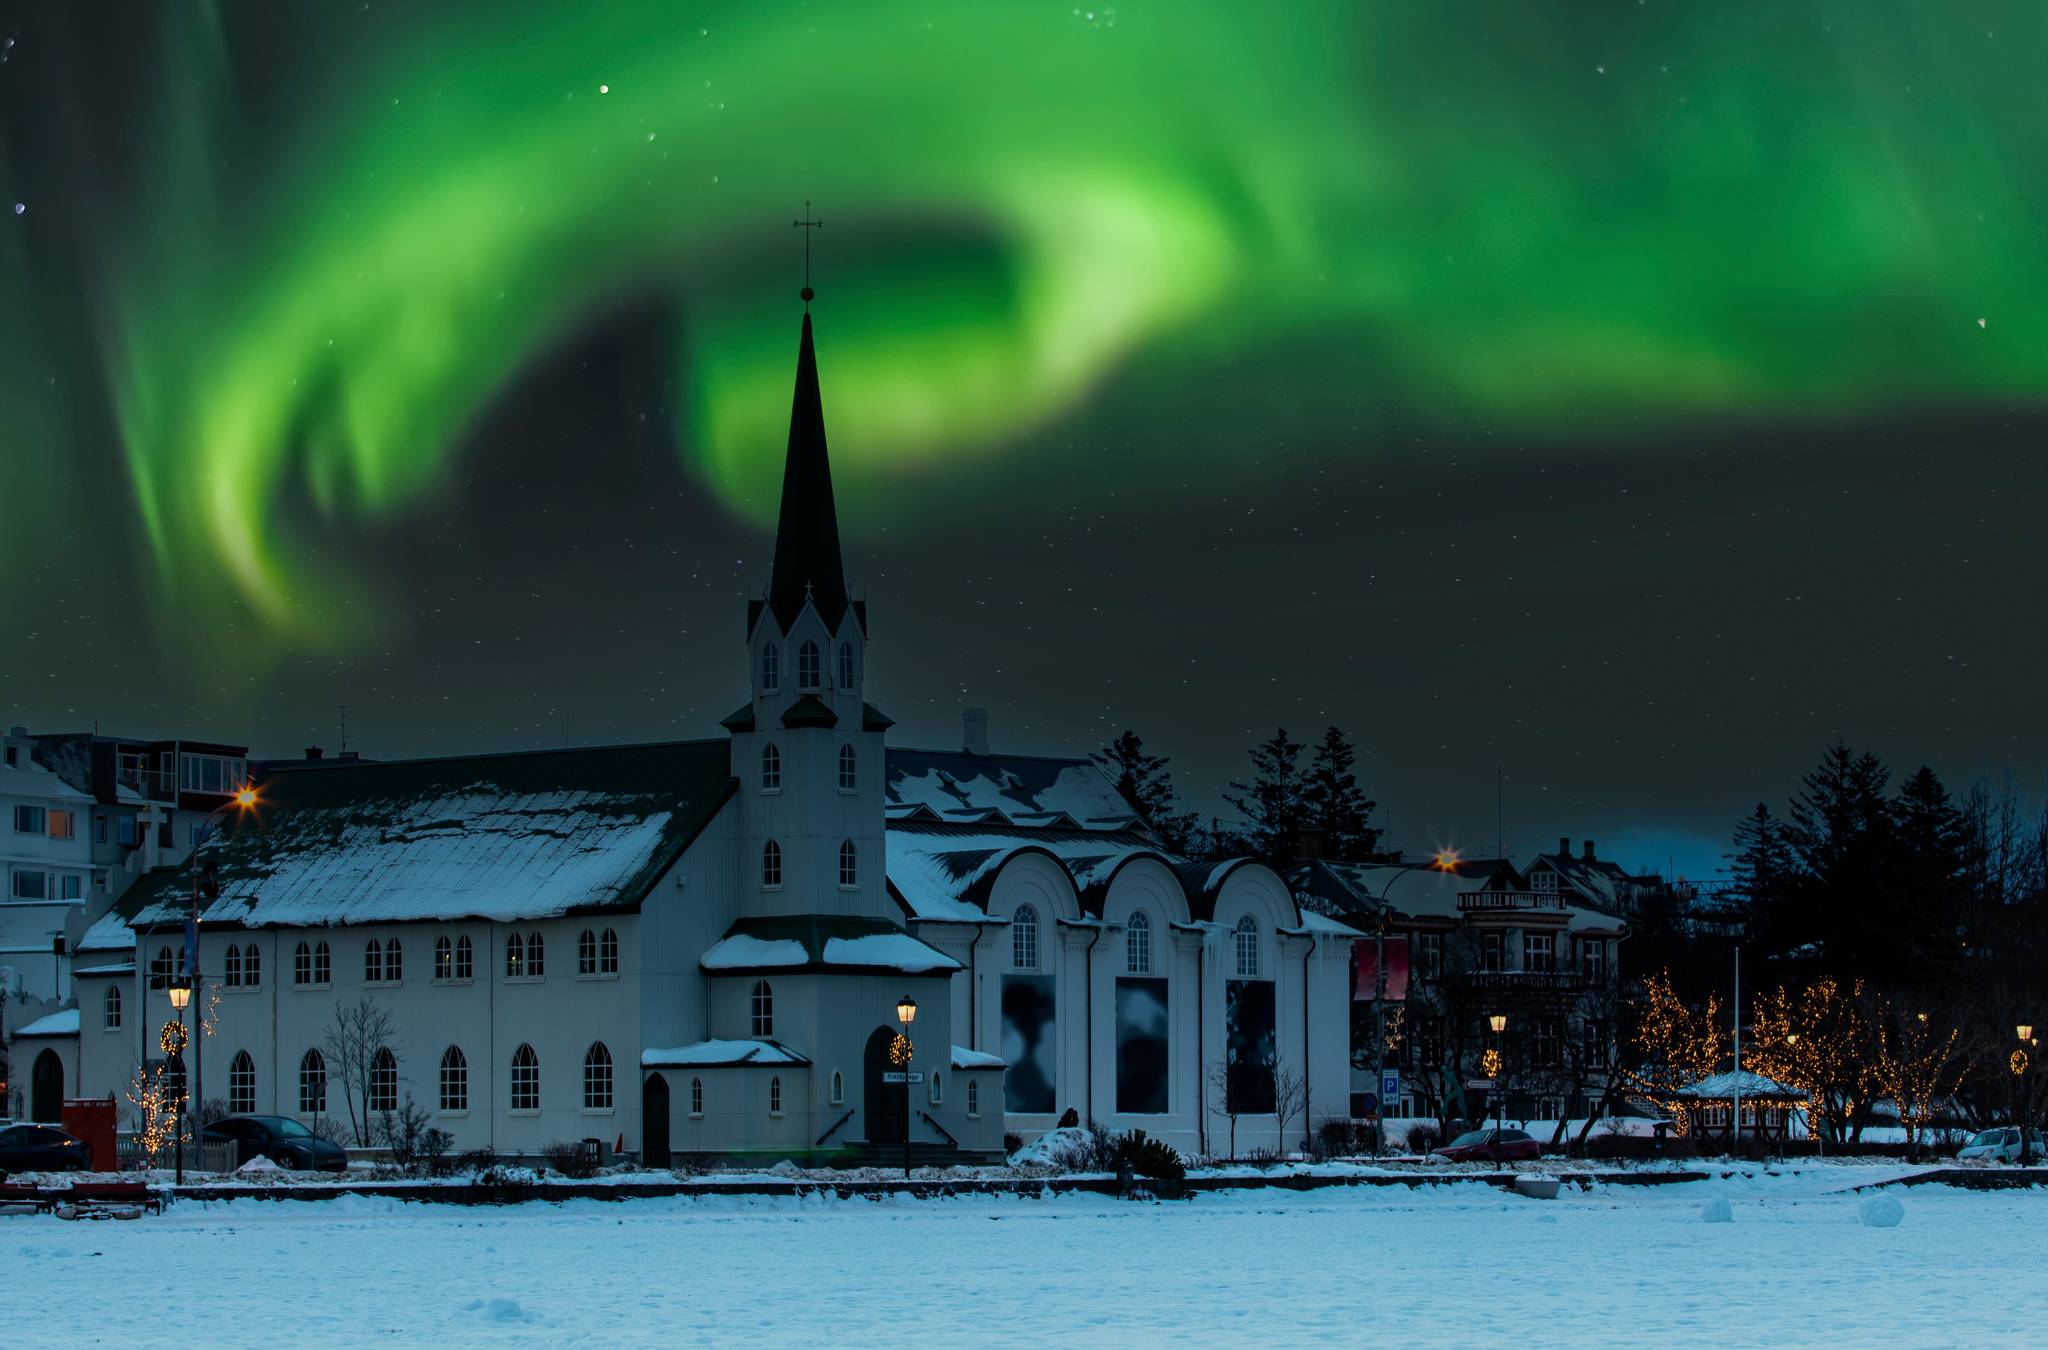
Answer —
46 1088
885 1104
654 1121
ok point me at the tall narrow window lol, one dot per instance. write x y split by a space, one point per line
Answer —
302 964
775 1095
586 953
110 1012
597 1078
323 963
241 1083
849 779
536 963
454 1080
465 958
525 1079
764 1010
1138 944
771 668
373 962
608 953
973 1098
444 959
515 957
312 1084
383 1081
771 864
849 863
1024 938
231 967
807 674
846 666
1247 936
394 962
771 768
838 1088
938 1089
696 1096
160 968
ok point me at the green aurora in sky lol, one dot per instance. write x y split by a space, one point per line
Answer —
1594 221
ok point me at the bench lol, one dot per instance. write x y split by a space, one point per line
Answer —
16 1194
113 1193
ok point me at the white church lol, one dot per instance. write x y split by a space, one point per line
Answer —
702 947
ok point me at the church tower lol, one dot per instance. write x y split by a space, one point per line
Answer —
807 749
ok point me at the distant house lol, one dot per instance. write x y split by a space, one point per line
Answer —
1587 879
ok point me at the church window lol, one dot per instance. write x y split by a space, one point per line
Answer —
1024 938
586 953
597 1078
771 768
846 666
312 1084
373 962
838 1088
849 863
771 668
764 1010
525 1079
608 953
536 957
807 674
394 963
848 777
454 1080
465 958
1138 944
160 968
241 1083
771 864
515 957
302 964
775 1095
384 1080
252 967
973 1098
110 1013
696 1096
323 963
1247 937
231 968
444 959
938 1089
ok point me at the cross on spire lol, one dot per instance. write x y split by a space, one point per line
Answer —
807 225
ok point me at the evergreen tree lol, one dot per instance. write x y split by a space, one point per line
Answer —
1931 871
1839 837
1271 804
1763 872
1333 803
1143 781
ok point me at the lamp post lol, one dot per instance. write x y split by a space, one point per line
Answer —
906 1013
1499 1023
2022 1067
205 888
180 990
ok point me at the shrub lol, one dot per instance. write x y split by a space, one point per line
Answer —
503 1177
416 1147
1096 1150
1424 1137
477 1161
1069 1119
1011 1143
1334 1138
570 1158
1153 1158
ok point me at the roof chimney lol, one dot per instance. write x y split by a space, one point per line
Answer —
974 730
314 752
1564 846
1589 850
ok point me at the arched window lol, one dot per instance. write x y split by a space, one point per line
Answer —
454 1080
302 964
938 1088
597 1078
525 1079
536 963
373 962
775 1095
241 1083
312 1084
323 963
838 1088
1138 944
846 666
160 968
383 1080
231 967
110 1011
1247 935
973 1098
465 958
394 962
848 778
444 959
1024 938
849 863
252 967
586 953
771 768
515 957
807 674
608 953
764 1010
771 668
771 864
696 1096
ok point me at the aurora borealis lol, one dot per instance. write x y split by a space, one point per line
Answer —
280 272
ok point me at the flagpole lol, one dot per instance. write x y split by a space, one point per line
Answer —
1735 1122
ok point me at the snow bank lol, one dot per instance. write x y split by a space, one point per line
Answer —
1717 1210
1050 1148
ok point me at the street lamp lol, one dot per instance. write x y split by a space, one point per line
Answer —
2022 1065
1499 1023
906 1013
205 887
179 987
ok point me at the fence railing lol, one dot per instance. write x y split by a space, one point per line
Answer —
130 1156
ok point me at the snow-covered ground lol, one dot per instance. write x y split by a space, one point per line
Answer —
1442 1265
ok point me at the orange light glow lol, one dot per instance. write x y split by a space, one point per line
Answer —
1446 858
245 798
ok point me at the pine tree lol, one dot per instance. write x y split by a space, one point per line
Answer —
1143 781
1928 895
1839 836
1763 871
1271 804
1333 803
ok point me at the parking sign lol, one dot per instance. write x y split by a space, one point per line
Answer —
1390 1085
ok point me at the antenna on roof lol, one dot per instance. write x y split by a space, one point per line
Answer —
344 728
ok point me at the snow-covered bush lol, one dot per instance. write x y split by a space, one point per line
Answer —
571 1158
1879 1211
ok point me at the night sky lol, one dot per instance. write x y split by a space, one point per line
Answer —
1637 396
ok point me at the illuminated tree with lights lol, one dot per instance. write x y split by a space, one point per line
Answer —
1917 1067
155 1100
1819 1039
1674 1044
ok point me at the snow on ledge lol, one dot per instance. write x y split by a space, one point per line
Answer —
963 1058
742 952
892 951
713 1053
63 1023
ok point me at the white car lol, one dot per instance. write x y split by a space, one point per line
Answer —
1999 1144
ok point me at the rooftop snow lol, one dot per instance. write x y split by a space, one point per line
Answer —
891 951
963 1058
944 871
741 952
712 1053
1026 789
63 1023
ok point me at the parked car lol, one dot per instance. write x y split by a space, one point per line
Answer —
281 1139
1484 1146
42 1148
2001 1143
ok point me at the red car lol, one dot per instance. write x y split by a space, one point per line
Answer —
1490 1146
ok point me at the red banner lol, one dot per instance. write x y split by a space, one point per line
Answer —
1365 969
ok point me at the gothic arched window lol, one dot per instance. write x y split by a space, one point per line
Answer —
454 1080
764 1010
312 1084
849 863
231 968
846 666
1024 938
771 768
849 766
597 1078
771 668
525 1079
1247 937
242 1083
807 661
771 864
1138 944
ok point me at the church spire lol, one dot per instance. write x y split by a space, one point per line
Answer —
807 562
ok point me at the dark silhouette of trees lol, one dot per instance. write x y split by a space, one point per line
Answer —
1332 802
1270 806
1144 782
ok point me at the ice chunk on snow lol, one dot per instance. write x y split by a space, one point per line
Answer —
1880 1211
500 1310
1717 1210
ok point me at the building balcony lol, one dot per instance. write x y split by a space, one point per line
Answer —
1525 981
1470 902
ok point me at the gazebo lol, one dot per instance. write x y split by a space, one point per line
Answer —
1767 1107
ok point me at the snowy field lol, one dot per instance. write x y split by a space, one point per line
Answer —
1445 1265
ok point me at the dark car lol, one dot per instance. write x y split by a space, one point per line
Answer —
42 1148
281 1139
1489 1146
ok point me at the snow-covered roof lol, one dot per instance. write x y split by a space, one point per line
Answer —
1026 790
710 1054
963 1058
823 943
33 781
944 871
1722 1086
1358 891
117 968
63 1023
501 837
743 952
1312 922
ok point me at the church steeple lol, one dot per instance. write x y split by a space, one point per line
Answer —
807 562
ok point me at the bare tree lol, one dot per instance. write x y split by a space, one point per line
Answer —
354 1038
1290 1100
1220 1081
